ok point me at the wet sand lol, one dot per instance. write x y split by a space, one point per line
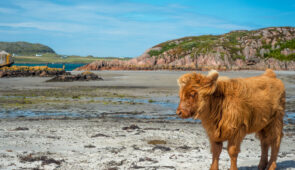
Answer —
126 121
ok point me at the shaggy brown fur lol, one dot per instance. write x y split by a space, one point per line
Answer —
231 108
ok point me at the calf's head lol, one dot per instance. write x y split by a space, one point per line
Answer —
193 93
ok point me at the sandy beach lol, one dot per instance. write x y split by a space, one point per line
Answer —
126 121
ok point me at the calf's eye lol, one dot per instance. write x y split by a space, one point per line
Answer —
193 94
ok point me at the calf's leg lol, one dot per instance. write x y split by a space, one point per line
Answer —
264 149
216 148
234 149
277 134
275 146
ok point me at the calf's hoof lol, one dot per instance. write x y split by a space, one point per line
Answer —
272 166
262 166
214 167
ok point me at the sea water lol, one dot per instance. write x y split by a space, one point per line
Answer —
68 66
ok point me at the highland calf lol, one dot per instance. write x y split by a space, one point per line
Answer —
232 108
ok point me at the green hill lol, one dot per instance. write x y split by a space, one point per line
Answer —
241 44
25 48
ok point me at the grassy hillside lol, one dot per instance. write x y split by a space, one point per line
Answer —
25 48
272 40
54 58
26 53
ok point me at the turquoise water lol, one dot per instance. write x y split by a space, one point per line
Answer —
69 66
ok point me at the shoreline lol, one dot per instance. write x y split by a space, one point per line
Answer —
121 143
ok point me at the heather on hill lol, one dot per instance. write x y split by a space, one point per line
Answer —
272 47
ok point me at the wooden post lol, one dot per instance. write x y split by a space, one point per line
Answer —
7 58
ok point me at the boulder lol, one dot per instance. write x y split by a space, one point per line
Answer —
2 74
85 76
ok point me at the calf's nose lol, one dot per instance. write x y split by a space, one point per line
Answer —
178 112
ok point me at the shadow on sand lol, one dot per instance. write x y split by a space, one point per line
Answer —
290 164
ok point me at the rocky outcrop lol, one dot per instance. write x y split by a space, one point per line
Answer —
10 73
24 71
85 76
238 50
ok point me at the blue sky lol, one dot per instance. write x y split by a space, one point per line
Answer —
127 28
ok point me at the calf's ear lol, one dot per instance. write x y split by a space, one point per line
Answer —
209 84
213 75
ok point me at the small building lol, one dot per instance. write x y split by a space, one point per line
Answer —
5 59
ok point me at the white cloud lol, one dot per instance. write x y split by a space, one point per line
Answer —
47 26
116 19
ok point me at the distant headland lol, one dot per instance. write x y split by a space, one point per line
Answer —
272 47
